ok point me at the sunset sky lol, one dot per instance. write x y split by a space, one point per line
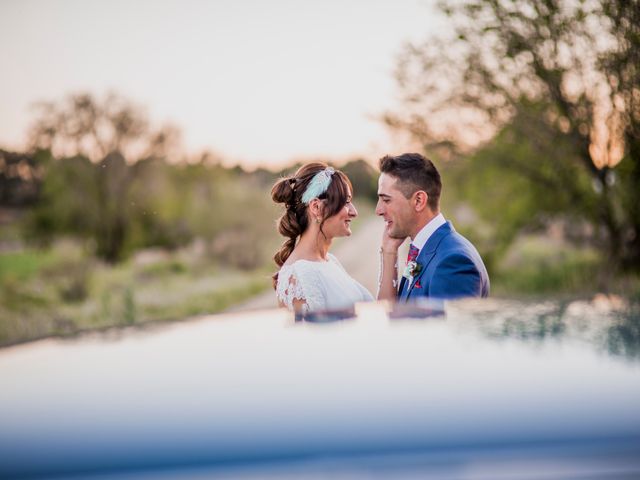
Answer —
255 82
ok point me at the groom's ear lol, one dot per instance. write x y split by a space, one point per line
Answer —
420 199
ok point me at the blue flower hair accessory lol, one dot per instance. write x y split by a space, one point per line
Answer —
318 185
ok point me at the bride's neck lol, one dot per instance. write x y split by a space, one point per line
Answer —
314 244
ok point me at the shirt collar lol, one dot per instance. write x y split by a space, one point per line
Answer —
423 235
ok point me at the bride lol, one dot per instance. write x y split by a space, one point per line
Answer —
318 208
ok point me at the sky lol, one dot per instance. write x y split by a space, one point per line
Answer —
255 82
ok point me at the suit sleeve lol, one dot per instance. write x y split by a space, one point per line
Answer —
456 276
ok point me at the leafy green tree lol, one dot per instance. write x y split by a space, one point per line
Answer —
67 202
550 90
87 190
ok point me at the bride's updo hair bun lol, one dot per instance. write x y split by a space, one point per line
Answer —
294 221
283 191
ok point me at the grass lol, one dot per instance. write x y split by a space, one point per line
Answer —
62 291
22 266
536 265
573 274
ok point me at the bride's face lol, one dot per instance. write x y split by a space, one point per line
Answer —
339 225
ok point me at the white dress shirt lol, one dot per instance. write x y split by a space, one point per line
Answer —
423 235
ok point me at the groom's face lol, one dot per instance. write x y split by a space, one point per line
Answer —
394 207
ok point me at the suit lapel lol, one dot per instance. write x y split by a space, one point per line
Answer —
401 291
423 259
427 253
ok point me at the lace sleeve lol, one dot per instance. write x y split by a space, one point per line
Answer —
289 289
299 284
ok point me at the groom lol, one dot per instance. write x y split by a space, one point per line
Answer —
441 263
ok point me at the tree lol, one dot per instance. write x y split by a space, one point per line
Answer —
363 177
87 191
561 78
20 177
81 125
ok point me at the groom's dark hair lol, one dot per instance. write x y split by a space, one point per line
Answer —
414 172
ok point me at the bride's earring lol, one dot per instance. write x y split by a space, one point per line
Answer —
317 219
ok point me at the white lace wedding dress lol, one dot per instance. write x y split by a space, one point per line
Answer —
320 285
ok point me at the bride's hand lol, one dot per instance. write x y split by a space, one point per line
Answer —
388 276
389 244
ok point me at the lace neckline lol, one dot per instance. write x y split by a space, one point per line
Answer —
315 262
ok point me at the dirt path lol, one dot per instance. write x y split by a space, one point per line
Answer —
358 254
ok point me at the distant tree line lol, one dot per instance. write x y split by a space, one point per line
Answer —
99 172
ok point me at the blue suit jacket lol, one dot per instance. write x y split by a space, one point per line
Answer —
451 268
